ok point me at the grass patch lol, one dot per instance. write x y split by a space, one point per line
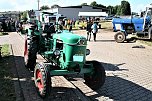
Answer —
5 50
106 25
7 92
3 33
148 43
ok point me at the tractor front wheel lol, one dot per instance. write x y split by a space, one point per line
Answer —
150 32
120 37
42 80
95 79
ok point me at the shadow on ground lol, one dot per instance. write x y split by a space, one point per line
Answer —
113 67
105 40
120 89
116 88
27 90
3 33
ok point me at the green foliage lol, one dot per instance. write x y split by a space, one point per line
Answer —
55 6
24 15
94 3
112 10
5 50
100 5
7 92
146 42
44 7
125 8
118 10
83 4
3 33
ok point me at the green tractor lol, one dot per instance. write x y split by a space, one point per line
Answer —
65 54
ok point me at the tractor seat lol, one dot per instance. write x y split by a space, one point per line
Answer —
49 30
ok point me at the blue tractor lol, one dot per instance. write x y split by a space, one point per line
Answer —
129 29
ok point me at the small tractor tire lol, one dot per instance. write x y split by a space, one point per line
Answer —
96 79
30 56
120 37
150 32
42 80
133 39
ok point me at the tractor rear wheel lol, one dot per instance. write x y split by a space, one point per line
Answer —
30 53
120 37
96 79
42 80
26 51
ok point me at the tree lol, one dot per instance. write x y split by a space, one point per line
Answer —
55 6
24 15
45 7
94 3
100 5
118 8
83 4
111 10
125 8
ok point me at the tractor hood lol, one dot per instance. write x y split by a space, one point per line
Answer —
69 38
130 20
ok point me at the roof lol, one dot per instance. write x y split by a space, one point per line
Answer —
84 6
93 14
71 7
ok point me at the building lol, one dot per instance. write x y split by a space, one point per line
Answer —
73 11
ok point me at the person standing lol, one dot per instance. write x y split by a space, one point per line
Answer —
70 25
89 24
94 28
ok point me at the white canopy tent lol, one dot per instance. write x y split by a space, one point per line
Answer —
93 14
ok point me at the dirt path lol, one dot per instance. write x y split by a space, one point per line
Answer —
24 86
128 70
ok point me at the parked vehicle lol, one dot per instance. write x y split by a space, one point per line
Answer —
108 18
139 28
65 54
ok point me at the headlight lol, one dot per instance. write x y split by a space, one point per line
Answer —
87 51
56 52
82 42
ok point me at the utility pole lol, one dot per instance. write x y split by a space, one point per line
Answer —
38 1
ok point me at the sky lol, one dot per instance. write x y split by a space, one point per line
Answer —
22 5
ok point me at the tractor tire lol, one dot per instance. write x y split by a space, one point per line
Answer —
120 37
30 54
97 79
26 49
133 39
42 80
150 32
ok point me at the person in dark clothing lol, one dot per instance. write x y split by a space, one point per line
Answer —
89 24
4 27
70 26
